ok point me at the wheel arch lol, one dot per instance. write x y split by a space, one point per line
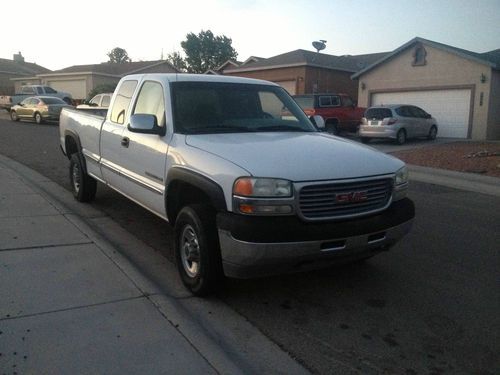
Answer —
185 187
72 145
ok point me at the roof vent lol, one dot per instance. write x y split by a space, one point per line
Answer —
18 57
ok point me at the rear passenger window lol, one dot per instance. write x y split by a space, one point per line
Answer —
122 101
325 101
105 100
329 101
151 101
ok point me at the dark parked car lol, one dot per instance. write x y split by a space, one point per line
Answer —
38 108
398 122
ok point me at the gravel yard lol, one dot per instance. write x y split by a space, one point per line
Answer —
471 157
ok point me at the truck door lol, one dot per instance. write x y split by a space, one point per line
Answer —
141 157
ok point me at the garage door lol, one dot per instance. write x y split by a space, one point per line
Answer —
288 86
77 88
451 108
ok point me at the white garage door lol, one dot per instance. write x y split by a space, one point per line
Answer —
451 108
77 88
288 86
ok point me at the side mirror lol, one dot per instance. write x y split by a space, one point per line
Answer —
318 122
145 124
428 115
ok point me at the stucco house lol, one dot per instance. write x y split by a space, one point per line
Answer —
460 88
16 68
79 80
305 72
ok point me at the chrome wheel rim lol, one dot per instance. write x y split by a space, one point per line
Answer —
38 118
190 251
433 133
75 172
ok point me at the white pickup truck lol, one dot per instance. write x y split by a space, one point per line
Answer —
250 185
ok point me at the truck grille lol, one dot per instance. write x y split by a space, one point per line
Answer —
333 200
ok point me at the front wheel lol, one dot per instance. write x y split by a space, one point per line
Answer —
83 186
432 133
401 137
14 116
197 250
38 118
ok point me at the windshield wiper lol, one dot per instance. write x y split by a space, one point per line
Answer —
221 129
279 128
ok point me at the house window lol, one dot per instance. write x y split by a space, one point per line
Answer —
419 55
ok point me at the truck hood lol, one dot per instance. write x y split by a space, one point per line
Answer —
297 156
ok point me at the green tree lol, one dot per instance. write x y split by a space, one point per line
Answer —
207 51
118 55
177 61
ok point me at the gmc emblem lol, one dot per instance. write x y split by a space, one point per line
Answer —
351 197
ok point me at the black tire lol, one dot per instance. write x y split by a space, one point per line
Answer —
401 137
38 118
197 251
332 128
365 140
432 132
83 186
14 116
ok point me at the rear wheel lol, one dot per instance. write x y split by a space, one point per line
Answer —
432 132
14 116
401 137
197 250
365 139
332 128
83 186
38 118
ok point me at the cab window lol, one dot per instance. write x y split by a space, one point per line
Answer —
122 101
151 101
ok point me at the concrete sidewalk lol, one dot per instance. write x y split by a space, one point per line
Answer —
70 303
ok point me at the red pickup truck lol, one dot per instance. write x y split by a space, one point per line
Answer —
338 111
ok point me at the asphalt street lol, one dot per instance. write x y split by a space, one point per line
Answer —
430 305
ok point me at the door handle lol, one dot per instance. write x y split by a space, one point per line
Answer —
125 141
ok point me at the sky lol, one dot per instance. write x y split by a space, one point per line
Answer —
57 34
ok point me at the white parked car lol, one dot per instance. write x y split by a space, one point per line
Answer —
98 101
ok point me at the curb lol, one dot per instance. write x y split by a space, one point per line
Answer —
458 180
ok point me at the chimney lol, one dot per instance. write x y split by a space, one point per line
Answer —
18 57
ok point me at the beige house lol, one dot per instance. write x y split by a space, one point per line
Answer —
460 88
79 80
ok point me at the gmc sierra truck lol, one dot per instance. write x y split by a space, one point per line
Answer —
241 173
338 111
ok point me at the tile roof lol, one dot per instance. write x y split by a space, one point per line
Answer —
491 58
113 68
21 68
349 63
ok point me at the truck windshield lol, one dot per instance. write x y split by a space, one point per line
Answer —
209 107
50 90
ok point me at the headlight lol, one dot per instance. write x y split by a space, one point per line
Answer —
400 184
402 176
262 187
263 196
